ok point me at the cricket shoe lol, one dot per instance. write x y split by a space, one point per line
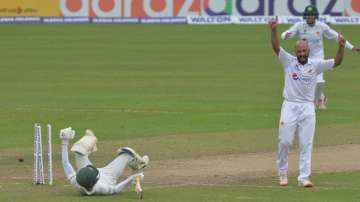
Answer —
138 162
306 183
67 133
283 180
87 144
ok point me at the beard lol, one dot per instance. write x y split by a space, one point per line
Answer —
303 59
310 23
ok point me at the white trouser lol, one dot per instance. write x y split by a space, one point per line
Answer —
111 172
298 117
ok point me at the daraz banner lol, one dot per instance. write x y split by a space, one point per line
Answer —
173 8
29 8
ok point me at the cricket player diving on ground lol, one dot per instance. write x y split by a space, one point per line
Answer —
313 31
298 108
90 180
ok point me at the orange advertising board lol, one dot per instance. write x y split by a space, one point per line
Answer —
172 8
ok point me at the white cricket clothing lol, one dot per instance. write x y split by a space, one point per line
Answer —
298 110
314 35
300 80
107 183
298 117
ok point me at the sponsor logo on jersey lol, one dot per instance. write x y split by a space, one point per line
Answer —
306 79
295 76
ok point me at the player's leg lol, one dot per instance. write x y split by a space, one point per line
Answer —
81 160
137 162
115 168
126 157
320 98
82 148
287 128
306 137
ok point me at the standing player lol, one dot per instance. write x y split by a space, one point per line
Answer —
313 31
90 180
298 110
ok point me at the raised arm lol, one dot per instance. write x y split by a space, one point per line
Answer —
125 183
340 52
68 169
332 34
274 38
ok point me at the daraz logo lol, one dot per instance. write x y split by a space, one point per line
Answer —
145 8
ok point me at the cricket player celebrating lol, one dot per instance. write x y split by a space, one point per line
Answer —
90 180
298 109
313 31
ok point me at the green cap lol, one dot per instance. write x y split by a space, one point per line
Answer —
87 177
311 10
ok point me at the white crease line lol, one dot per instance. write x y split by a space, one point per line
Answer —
12 183
244 185
252 198
99 110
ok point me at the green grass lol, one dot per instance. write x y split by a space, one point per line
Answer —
205 90
171 80
336 187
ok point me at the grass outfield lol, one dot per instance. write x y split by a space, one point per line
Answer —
143 81
331 188
203 89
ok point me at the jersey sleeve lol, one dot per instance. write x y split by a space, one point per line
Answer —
332 34
122 185
103 189
284 58
73 182
68 169
329 33
292 31
108 189
324 65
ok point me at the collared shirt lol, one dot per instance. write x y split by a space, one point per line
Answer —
314 35
300 80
